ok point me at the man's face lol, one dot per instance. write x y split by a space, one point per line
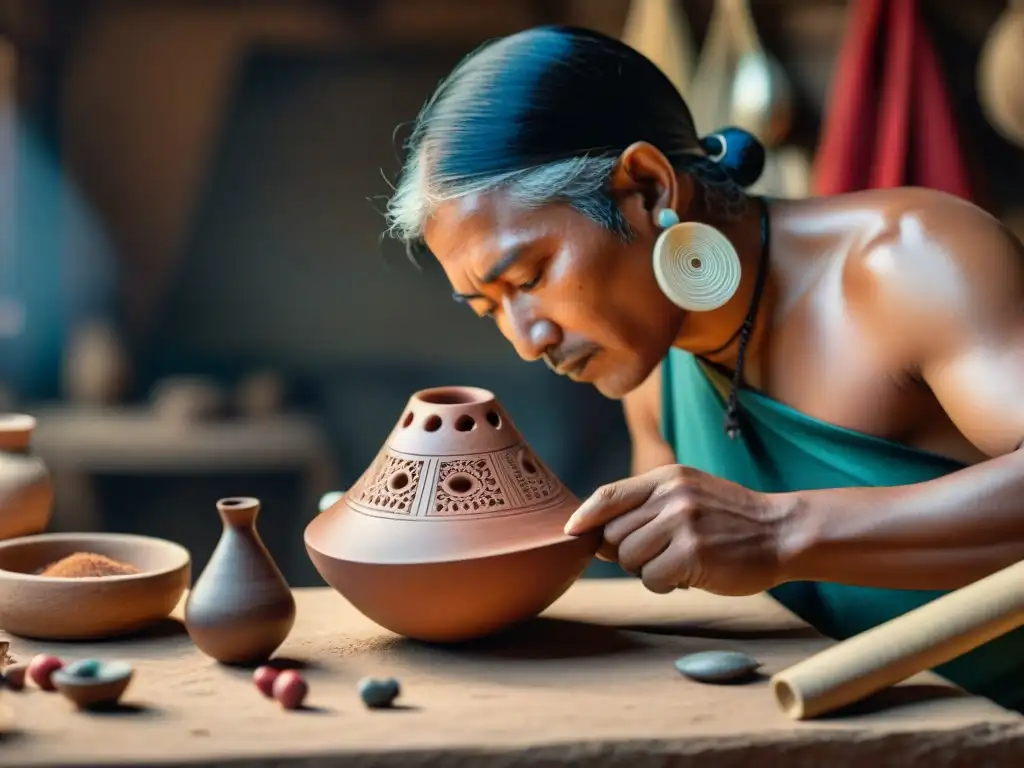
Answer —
560 286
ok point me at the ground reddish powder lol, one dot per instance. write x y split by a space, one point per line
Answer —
83 564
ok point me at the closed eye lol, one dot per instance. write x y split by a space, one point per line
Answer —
471 299
533 283
484 307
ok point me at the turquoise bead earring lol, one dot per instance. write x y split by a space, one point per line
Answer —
667 218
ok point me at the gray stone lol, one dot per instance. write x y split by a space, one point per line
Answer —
717 666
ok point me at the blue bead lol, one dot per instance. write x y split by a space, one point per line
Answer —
85 668
377 693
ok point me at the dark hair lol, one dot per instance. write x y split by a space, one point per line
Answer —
565 103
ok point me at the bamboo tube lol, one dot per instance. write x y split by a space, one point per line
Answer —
917 641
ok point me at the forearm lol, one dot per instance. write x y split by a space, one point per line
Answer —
941 534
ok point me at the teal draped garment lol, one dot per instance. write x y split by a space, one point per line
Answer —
784 450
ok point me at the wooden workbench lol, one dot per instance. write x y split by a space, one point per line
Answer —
591 683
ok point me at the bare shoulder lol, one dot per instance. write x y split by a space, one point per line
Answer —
934 264
936 286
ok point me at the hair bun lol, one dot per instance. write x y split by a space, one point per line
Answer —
738 152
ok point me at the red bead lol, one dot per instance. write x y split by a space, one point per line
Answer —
264 678
290 689
41 670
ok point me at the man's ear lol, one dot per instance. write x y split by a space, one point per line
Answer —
645 171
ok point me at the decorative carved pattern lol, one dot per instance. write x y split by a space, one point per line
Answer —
467 486
392 485
507 482
534 482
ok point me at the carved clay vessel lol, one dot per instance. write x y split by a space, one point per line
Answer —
455 530
26 493
241 608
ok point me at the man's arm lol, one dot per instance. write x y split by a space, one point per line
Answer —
642 407
954 289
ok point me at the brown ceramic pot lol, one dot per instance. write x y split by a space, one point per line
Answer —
455 530
241 608
26 493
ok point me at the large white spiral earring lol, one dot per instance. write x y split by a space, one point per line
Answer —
696 266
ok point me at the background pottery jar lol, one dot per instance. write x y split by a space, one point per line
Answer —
26 493
456 529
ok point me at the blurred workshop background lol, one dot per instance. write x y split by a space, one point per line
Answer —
195 299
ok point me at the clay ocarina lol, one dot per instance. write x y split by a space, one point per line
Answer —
455 531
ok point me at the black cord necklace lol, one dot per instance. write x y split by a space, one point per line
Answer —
733 427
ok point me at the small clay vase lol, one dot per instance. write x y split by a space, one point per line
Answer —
26 493
186 400
96 368
455 531
241 608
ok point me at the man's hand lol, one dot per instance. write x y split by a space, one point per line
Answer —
680 527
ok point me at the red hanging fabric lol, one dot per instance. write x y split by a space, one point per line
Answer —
889 121
892 132
846 145
938 160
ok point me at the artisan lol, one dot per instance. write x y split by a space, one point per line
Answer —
824 395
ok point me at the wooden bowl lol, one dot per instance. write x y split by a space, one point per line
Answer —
95 607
